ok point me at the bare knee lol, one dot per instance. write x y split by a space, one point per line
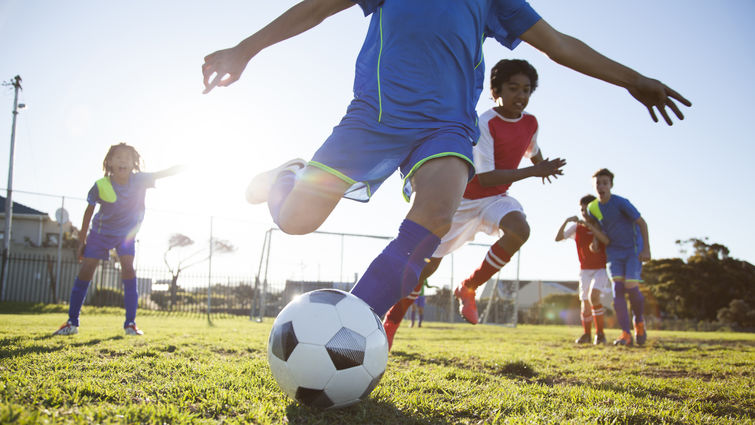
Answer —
295 226
88 266
595 297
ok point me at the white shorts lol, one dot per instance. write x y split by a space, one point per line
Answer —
597 279
476 215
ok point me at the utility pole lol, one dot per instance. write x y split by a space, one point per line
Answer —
16 83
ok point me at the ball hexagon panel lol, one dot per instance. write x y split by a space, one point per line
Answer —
326 296
347 386
282 374
310 366
376 353
346 349
315 323
282 340
371 387
314 398
356 315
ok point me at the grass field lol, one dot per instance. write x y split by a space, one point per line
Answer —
184 370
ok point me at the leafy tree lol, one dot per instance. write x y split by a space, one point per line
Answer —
738 313
698 288
177 260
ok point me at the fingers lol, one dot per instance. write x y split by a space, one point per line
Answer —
675 108
652 114
672 93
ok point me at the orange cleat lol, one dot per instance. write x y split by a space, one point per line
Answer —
467 304
639 333
625 339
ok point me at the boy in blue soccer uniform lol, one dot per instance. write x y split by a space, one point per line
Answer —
418 78
628 247
120 195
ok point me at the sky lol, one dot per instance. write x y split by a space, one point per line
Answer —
100 72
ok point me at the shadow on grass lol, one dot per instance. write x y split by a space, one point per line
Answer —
366 412
6 351
515 369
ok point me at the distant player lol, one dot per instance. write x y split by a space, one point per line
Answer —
629 246
593 279
417 311
418 79
508 134
121 196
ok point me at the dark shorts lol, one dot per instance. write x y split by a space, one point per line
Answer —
98 246
364 152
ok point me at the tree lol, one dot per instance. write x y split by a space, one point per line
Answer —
181 261
698 288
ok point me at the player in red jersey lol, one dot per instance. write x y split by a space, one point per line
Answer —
508 134
593 278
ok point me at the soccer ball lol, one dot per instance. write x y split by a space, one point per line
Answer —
327 349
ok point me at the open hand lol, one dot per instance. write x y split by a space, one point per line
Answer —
548 168
654 94
223 68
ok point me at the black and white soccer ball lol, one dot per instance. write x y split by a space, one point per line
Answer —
327 349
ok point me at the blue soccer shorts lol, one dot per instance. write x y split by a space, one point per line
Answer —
98 246
626 266
364 152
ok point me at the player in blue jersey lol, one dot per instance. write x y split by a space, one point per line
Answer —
628 247
418 78
121 197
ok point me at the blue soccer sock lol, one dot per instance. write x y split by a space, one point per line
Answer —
620 306
395 272
78 293
414 316
130 299
283 185
637 301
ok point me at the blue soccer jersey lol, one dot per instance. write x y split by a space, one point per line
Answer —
618 220
418 78
123 215
421 64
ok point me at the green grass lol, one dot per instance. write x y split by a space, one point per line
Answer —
186 371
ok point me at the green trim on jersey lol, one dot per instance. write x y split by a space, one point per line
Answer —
481 55
417 165
594 208
105 190
380 54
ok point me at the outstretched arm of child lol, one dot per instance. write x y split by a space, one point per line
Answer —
560 235
544 168
645 253
84 230
224 67
169 171
573 53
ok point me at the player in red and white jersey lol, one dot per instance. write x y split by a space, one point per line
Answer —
507 134
593 278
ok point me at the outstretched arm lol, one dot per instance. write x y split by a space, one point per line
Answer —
560 235
544 168
224 67
575 54
169 171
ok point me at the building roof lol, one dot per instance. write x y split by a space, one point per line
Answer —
19 208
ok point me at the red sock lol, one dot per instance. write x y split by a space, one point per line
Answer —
598 312
398 311
496 258
587 322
